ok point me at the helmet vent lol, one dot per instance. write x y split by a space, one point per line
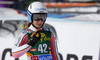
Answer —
30 6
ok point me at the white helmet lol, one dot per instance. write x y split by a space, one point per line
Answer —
35 7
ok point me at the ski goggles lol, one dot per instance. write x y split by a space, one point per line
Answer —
39 16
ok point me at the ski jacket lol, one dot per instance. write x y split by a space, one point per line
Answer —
45 49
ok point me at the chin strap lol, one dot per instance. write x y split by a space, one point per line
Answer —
34 26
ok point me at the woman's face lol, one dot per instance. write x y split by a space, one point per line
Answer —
38 24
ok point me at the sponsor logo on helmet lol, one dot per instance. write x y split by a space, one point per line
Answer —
38 9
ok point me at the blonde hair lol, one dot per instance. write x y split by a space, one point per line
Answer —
27 24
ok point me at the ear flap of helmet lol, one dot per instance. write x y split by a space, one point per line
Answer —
29 18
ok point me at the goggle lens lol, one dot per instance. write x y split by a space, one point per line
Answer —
41 16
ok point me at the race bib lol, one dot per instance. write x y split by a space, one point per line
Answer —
42 57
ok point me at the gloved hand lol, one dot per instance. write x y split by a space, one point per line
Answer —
35 37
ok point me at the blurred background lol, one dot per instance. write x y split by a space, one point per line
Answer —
55 6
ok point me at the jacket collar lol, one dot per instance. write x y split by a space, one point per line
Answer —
33 28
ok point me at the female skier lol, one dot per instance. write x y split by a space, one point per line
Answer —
37 42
